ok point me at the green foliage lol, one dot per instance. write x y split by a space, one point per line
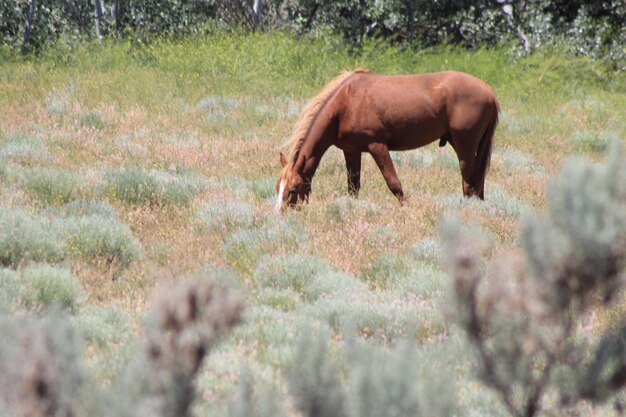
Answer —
294 272
259 402
91 120
331 283
585 141
385 270
44 286
344 208
585 27
104 325
516 161
276 235
139 186
25 236
81 207
427 249
94 237
385 317
264 188
225 216
24 150
380 382
497 203
394 383
314 379
51 185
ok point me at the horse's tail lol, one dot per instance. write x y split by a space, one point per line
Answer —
483 154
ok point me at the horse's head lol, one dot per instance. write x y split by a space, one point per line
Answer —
291 185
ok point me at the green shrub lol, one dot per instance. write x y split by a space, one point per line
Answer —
277 235
313 379
92 120
497 202
424 280
42 371
24 150
57 102
257 401
99 238
381 316
81 207
39 287
345 207
264 189
516 161
294 272
331 283
587 141
238 186
43 286
104 325
385 270
284 299
139 186
226 216
419 158
26 236
51 185
427 249
399 382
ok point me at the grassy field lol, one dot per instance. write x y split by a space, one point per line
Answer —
123 168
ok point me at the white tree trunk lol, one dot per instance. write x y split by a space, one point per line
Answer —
256 12
99 18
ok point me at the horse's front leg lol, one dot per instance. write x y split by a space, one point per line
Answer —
353 164
380 153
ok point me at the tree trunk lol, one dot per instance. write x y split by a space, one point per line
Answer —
28 26
99 18
410 21
116 14
256 12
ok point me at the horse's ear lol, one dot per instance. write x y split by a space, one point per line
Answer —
283 160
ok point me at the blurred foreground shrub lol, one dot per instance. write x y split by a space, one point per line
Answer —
523 315
42 371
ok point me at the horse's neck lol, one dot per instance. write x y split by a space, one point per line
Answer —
319 139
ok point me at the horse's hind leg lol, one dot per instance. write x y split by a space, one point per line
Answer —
353 164
466 152
380 153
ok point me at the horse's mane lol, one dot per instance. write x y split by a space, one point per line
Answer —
312 109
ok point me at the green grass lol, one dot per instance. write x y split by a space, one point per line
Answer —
163 159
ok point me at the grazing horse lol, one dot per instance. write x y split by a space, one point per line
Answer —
361 111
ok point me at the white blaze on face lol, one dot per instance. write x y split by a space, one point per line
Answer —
279 200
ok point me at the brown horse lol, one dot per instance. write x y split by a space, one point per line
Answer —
365 112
